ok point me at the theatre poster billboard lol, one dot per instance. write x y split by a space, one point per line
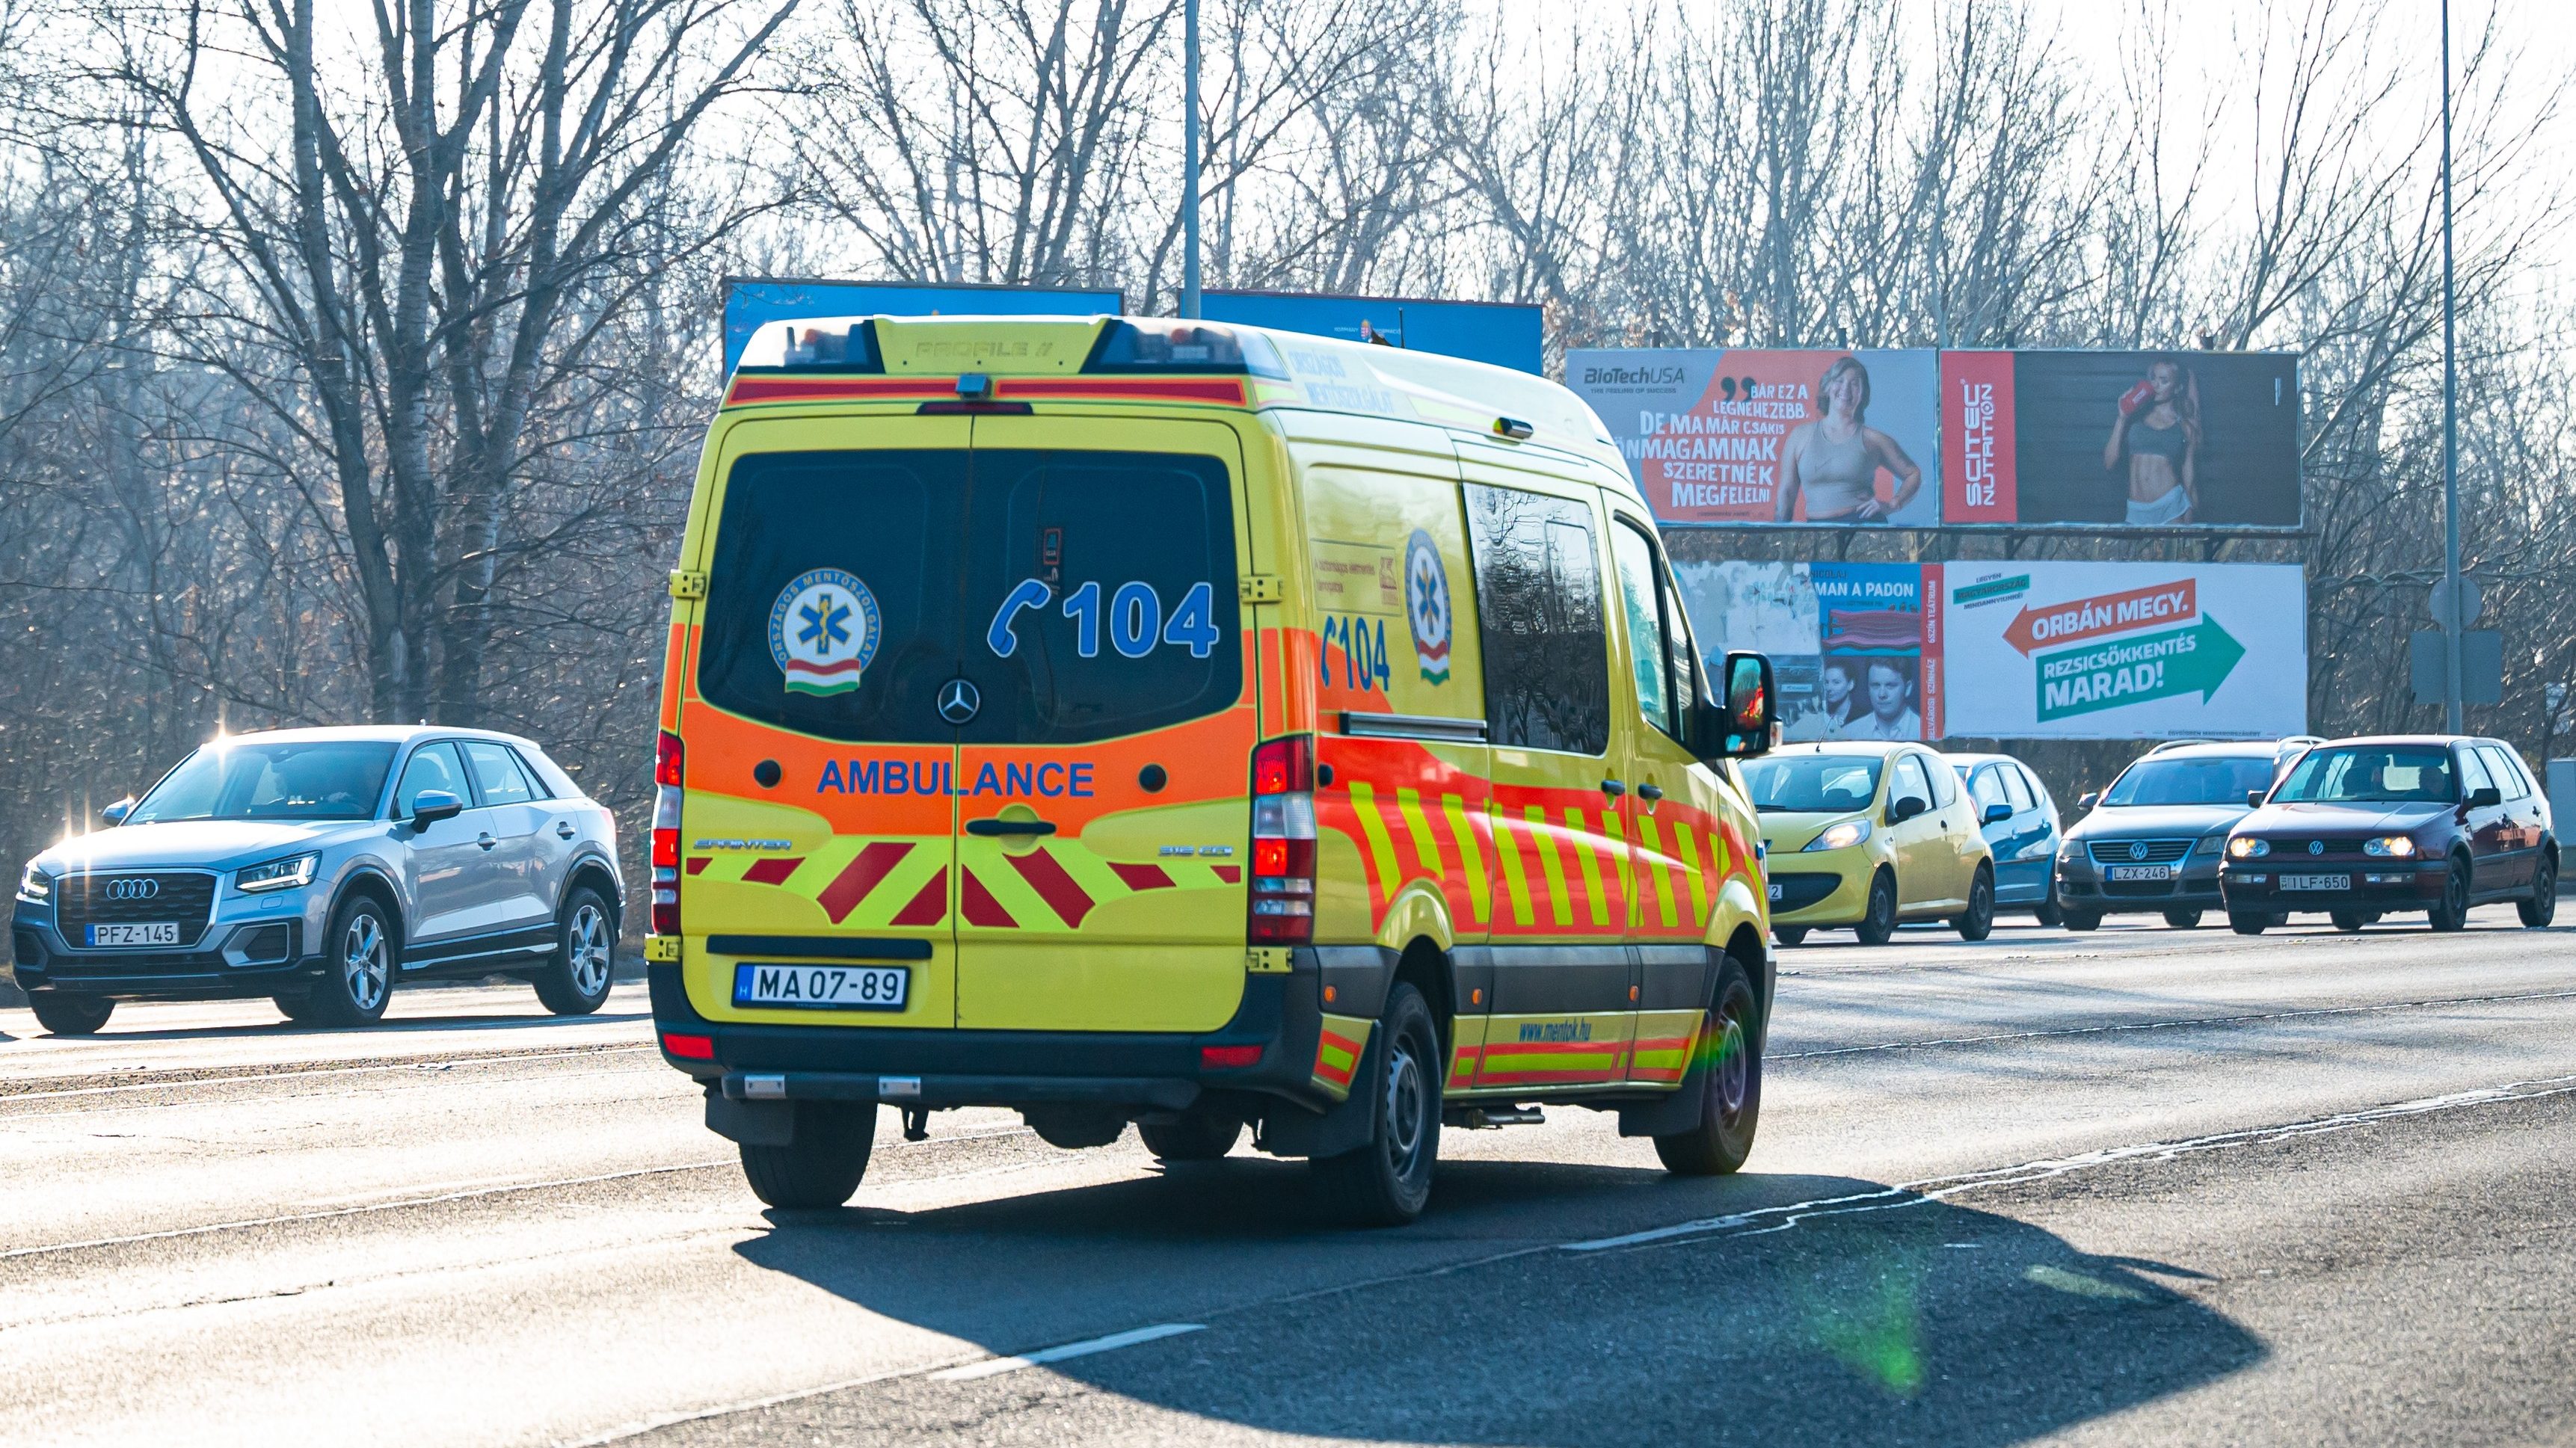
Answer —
1805 437
2017 650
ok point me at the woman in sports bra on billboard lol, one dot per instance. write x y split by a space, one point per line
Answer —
2159 429
1834 459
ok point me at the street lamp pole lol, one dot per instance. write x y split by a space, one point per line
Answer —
1190 164
2452 711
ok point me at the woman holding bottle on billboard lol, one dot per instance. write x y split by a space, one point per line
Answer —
2158 429
1833 461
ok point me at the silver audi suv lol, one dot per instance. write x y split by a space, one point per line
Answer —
320 866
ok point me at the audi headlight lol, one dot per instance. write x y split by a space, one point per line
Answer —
277 874
34 884
2395 847
1841 837
2246 847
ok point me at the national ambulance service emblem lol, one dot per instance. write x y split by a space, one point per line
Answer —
824 631
1426 606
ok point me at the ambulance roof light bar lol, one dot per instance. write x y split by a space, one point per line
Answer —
1169 344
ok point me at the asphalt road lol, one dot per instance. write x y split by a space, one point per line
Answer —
2142 1185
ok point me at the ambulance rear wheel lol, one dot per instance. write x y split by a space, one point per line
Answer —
822 1164
1387 1182
1730 1075
1199 1135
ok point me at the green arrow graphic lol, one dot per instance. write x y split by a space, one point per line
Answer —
2114 673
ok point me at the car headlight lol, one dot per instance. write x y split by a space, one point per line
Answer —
2211 844
1841 837
2398 847
34 884
2246 847
277 874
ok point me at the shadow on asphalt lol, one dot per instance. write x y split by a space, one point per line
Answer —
1893 1319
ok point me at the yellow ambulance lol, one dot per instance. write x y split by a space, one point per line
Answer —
1131 720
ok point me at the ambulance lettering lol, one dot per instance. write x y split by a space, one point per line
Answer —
1050 779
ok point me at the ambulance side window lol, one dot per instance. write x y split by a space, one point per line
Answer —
1650 641
1539 614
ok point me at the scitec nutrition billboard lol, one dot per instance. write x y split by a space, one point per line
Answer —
2017 650
2137 439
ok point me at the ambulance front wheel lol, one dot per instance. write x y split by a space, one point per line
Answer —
1387 1182
821 1165
1730 1072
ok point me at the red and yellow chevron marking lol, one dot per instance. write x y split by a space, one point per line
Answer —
855 882
1659 1056
1338 1048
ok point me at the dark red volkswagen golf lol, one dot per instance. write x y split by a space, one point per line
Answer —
2361 828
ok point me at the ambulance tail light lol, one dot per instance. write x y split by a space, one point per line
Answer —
667 758
1282 911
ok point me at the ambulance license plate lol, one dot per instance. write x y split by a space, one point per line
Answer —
829 987
1775 892
163 932
2142 872
2316 882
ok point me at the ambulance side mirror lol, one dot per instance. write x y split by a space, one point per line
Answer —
1737 725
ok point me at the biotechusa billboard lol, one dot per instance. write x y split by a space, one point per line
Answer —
2018 650
1917 437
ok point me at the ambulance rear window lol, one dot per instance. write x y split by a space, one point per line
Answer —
832 604
997 596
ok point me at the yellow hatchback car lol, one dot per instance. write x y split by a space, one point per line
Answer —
1864 836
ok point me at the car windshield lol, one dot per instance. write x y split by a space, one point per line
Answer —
2222 780
333 780
1812 782
2372 774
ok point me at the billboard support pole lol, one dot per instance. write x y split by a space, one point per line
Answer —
1190 159
2452 712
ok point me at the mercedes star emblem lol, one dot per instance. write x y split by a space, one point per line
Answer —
958 701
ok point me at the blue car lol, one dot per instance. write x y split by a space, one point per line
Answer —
2020 821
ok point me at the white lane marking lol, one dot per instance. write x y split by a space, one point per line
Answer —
1764 1220
219 1078
2176 1025
992 1367
944 1370
287 1218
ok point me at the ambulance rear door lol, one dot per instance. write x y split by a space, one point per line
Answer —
1106 728
817 820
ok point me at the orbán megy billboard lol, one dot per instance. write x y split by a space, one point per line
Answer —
2017 650
1742 435
1918 438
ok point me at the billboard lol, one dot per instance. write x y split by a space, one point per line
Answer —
1921 438
1741 435
2017 650
1506 334
2143 439
752 301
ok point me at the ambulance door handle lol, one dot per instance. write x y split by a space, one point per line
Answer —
1613 788
1650 791
1010 827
